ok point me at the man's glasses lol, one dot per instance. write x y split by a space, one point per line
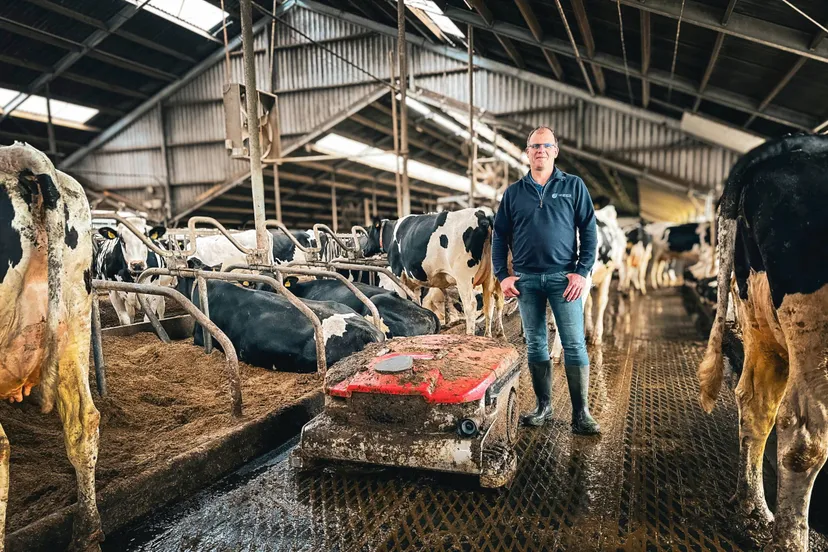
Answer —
545 146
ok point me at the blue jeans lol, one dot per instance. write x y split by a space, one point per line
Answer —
535 290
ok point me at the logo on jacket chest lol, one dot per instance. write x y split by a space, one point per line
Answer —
555 196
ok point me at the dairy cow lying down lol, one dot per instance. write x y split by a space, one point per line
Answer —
774 238
269 332
402 317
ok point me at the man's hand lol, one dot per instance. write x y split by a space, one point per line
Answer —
575 287
508 287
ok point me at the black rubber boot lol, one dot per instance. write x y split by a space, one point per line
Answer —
577 378
542 384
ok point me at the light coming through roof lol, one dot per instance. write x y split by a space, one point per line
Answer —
63 113
334 144
197 15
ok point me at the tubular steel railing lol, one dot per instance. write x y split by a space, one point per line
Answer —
232 361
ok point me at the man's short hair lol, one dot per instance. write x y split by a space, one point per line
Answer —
536 129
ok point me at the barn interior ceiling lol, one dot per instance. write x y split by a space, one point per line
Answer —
754 65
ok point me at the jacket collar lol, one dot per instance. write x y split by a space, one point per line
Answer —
557 174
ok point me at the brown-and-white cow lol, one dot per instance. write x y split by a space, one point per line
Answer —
45 305
774 238
611 247
440 250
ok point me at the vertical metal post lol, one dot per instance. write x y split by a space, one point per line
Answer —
366 204
395 127
273 50
401 53
472 148
97 346
252 96
277 193
333 205
205 308
581 121
50 129
374 198
166 163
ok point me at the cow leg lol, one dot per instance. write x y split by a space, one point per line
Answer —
802 422
603 298
488 311
500 304
654 271
758 395
469 302
5 452
116 298
435 301
588 322
80 430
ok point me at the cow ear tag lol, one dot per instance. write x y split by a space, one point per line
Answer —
287 284
108 233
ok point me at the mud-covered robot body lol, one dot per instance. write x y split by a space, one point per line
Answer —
440 402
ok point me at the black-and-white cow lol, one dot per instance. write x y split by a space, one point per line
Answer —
639 253
444 249
45 305
123 257
217 251
773 238
611 247
269 332
683 243
402 317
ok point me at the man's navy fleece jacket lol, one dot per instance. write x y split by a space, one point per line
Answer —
539 225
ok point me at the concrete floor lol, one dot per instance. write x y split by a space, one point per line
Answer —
658 478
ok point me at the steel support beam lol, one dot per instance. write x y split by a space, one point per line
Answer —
729 99
534 25
728 12
168 91
589 42
714 57
777 89
98 24
483 10
742 26
646 54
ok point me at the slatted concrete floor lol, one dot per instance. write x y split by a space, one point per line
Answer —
658 478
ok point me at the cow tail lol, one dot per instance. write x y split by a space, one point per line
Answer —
55 235
711 369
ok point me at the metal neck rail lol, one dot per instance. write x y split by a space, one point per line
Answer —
367 268
201 275
280 269
231 359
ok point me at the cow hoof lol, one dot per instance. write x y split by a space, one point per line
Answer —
753 521
88 544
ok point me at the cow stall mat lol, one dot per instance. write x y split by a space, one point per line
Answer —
164 401
658 479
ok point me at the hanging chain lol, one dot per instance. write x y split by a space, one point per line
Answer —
624 51
675 53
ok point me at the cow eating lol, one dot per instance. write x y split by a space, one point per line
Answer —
773 237
45 305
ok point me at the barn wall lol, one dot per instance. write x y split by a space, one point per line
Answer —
313 85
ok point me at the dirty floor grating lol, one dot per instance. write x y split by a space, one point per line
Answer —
658 479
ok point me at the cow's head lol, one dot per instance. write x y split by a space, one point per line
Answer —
134 251
373 245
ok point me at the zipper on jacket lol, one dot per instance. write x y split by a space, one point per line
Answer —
540 194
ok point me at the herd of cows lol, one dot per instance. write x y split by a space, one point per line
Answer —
772 247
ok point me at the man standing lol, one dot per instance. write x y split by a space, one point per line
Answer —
537 219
